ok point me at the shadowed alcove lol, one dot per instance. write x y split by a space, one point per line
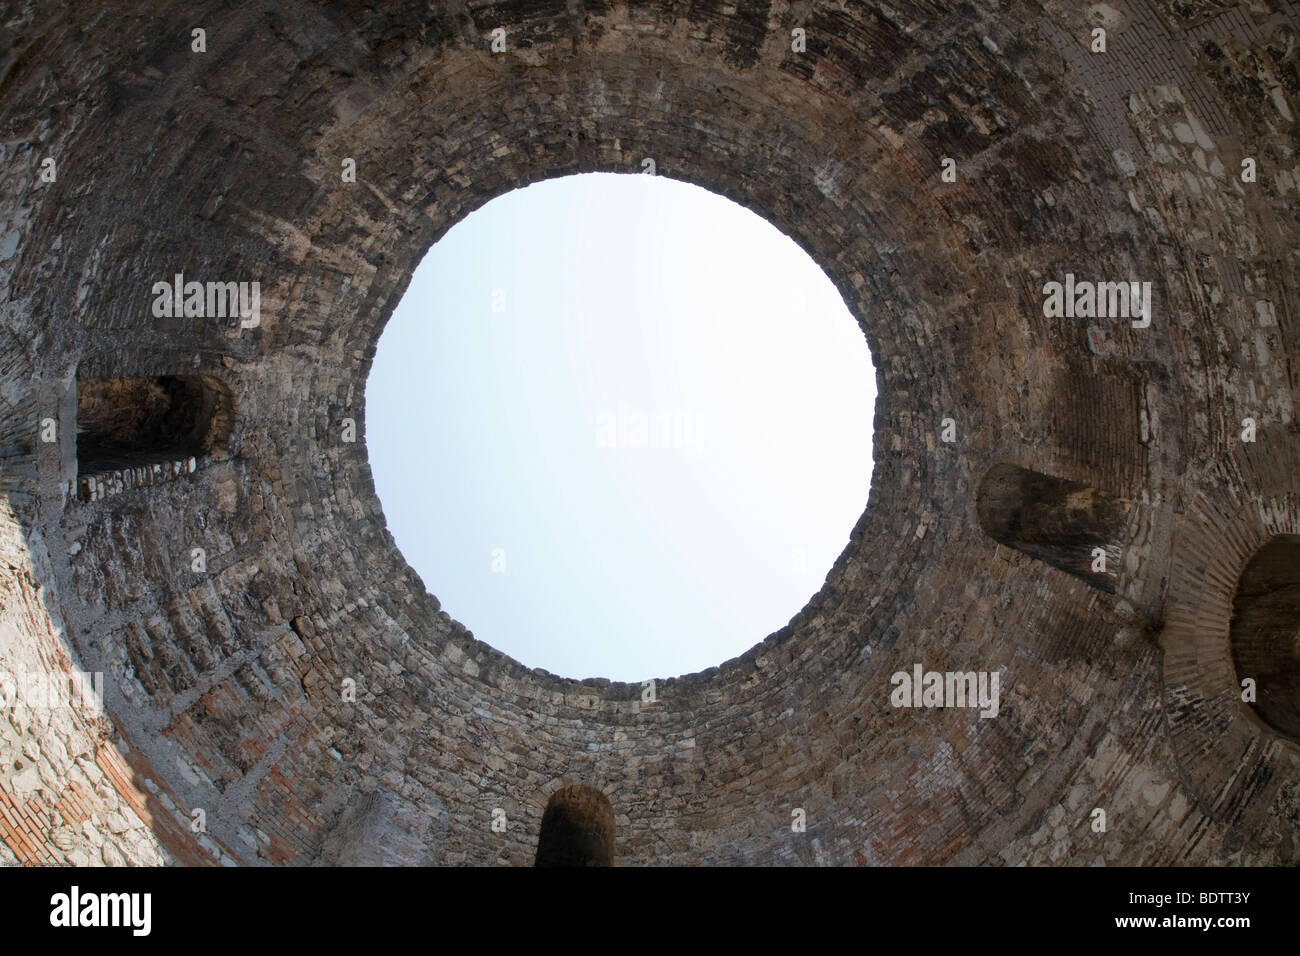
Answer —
130 422
1265 634
1061 522
577 829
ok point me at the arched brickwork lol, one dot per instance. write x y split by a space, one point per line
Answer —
577 829
1265 633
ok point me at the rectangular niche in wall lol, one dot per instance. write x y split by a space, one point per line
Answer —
1063 523
142 430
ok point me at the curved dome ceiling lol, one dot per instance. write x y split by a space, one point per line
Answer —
1065 502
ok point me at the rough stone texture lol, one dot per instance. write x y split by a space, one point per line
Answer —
224 688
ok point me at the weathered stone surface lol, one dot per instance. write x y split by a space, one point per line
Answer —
225 687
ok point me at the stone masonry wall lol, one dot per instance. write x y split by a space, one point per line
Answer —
297 689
